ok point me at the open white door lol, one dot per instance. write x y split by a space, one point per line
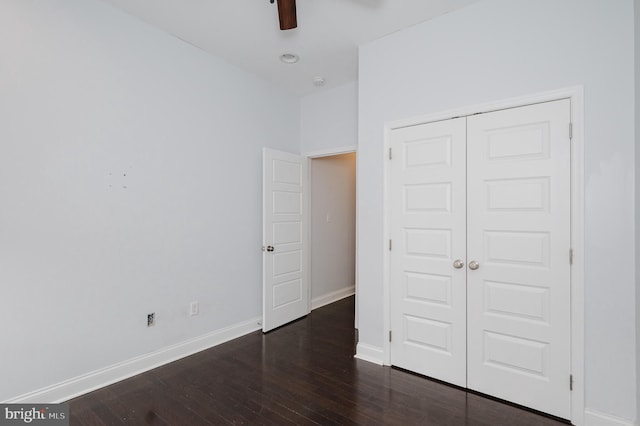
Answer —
285 295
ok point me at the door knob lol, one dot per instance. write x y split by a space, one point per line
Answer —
473 265
458 264
268 248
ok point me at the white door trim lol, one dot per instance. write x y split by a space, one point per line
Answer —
330 152
575 94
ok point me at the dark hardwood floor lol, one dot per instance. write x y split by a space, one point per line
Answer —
303 373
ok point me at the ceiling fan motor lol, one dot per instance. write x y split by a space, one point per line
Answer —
287 14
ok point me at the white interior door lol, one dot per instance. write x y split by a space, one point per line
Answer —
285 230
519 233
428 235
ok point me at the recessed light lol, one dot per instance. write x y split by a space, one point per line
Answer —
289 58
318 81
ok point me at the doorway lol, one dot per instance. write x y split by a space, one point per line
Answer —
332 227
309 233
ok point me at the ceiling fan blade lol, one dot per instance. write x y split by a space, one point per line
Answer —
287 14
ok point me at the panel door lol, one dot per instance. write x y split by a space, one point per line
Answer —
428 231
518 186
285 229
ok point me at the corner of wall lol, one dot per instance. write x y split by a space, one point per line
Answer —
370 353
636 26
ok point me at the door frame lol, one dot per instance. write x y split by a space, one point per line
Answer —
329 153
576 96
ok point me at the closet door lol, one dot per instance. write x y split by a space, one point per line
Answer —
428 232
518 228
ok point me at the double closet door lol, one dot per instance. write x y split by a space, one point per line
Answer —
480 262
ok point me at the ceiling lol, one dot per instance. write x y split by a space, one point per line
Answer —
246 33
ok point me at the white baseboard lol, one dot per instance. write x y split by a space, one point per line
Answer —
596 418
334 296
85 383
369 353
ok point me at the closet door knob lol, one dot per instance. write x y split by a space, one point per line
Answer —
458 264
473 265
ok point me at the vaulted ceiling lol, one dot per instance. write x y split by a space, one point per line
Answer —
246 33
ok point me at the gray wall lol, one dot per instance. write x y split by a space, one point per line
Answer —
498 49
329 119
636 50
87 95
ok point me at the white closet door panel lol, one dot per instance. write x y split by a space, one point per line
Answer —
428 299
519 232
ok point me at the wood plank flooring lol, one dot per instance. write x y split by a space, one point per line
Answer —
303 373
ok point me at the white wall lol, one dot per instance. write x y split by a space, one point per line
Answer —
88 94
329 119
498 49
333 226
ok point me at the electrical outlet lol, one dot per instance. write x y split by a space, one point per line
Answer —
151 319
194 308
